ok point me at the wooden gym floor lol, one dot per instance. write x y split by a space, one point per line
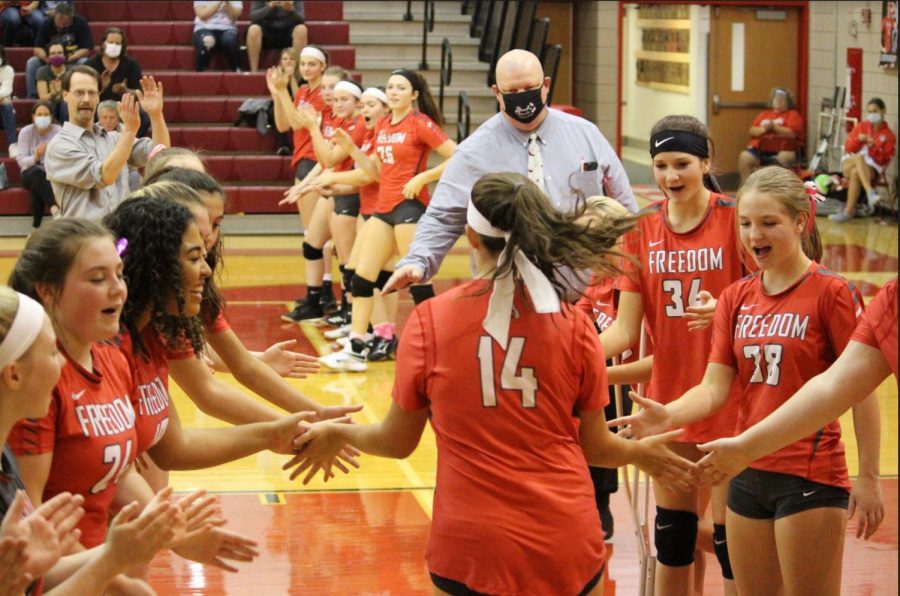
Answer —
365 533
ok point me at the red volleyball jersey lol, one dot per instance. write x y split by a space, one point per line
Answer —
878 326
150 378
90 430
675 267
403 149
514 508
306 97
600 302
368 194
883 146
356 127
788 118
777 343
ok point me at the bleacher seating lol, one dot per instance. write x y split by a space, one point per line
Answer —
200 108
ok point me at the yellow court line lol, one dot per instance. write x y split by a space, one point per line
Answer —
322 347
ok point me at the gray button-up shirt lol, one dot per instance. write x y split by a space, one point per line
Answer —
73 161
569 147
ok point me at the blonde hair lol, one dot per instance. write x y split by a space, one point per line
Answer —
785 187
9 306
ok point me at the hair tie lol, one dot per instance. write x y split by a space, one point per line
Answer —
812 191
155 151
23 331
121 246
499 312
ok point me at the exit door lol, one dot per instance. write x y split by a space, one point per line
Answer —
751 51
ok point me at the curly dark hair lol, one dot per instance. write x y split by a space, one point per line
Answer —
154 228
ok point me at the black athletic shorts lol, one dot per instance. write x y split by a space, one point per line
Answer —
409 211
456 588
304 167
346 205
758 494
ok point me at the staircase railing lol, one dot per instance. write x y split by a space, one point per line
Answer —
463 117
446 70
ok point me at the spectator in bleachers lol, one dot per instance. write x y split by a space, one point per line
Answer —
49 7
12 14
8 115
216 25
32 147
49 81
775 135
85 163
119 72
276 24
67 28
108 119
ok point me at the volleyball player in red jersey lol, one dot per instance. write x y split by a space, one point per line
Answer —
773 331
384 312
513 508
869 358
403 143
35 539
335 213
688 252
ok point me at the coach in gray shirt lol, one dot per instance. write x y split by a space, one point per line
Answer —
86 164
576 158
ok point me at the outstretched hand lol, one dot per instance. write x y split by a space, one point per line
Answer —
402 277
287 363
700 316
129 112
151 96
671 470
319 448
652 419
133 539
48 532
724 459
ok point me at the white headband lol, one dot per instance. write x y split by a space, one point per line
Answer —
543 296
23 331
316 53
351 88
376 93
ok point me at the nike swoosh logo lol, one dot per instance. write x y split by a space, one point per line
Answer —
659 527
718 542
408 220
806 494
656 243
661 141
747 307
76 395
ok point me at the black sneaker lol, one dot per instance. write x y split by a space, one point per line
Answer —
383 349
329 304
338 319
284 151
303 312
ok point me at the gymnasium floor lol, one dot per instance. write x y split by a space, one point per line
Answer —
366 533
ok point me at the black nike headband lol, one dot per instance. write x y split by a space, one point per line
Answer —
679 140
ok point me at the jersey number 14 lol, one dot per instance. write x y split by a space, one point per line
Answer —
512 377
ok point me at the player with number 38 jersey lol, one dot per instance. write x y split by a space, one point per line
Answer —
776 343
674 268
90 433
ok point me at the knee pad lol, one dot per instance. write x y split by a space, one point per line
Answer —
362 288
383 277
675 536
311 253
347 278
421 293
720 545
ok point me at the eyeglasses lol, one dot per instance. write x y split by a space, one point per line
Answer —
80 93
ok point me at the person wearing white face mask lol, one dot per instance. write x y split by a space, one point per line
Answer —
119 72
868 149
33 140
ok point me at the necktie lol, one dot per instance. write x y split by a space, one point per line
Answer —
535 162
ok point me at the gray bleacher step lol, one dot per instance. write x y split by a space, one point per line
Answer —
377 40
397 8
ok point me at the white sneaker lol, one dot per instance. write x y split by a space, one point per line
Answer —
343 341
14 151
340 332
345 361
